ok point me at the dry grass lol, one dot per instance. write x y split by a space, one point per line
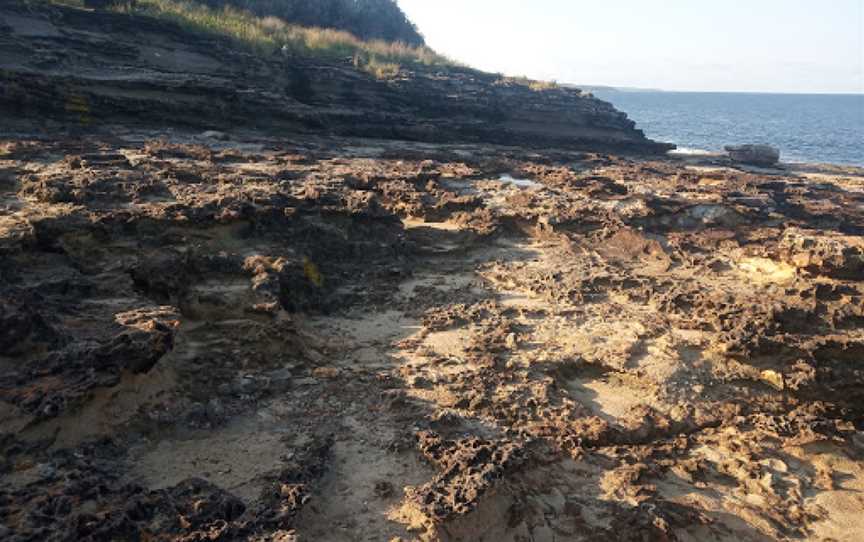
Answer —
540 86
271 35
381 70
537 86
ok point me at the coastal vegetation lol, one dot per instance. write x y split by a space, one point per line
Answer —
271 34
361 31
366 19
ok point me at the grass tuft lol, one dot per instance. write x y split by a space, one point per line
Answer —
536 86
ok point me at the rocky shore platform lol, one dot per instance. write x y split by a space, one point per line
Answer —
228 336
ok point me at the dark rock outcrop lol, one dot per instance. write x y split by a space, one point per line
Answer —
93 68
105 4
758 155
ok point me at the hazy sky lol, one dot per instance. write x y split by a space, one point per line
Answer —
740 45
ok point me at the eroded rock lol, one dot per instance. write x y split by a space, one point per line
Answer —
323 337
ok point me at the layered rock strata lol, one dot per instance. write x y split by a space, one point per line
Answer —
94 68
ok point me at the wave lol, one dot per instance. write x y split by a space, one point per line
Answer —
692 151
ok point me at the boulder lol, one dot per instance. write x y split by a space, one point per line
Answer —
758 155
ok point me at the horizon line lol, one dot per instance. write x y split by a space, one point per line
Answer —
624 88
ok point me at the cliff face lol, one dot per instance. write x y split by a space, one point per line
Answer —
93 68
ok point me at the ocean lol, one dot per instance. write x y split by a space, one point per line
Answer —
805 127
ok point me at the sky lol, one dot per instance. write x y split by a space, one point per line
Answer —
806 46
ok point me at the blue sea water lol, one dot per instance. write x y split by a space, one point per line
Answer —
805 127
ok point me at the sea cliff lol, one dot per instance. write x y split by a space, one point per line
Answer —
113 68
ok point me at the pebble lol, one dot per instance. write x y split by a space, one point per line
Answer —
215 408
45 470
